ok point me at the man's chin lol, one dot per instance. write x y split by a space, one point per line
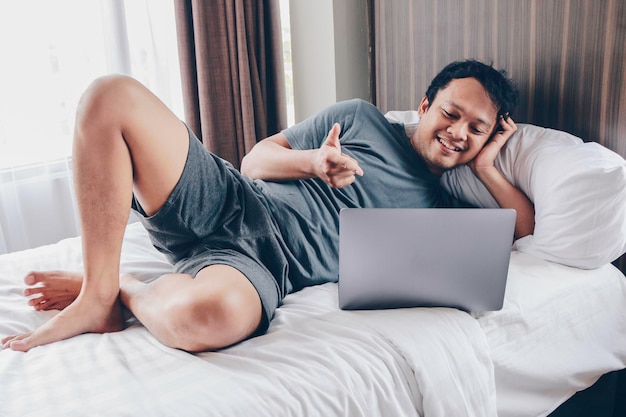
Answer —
441 167
437 169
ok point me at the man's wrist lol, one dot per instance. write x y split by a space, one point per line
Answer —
486 173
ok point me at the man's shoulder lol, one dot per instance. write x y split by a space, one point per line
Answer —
357 104
365 112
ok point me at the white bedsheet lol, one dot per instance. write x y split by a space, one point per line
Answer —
319 361
560 329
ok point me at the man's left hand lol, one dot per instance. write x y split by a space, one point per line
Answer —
487 155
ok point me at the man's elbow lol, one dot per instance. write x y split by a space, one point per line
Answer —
525 228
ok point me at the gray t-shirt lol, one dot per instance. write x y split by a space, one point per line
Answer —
307 211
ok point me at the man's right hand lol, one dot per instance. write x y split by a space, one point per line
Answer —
331 165
273 159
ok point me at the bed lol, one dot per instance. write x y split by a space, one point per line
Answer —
562 327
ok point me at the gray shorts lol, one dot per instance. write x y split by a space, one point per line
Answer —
215 215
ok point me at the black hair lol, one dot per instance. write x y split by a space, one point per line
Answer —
500 89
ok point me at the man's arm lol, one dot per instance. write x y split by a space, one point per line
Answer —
505 193
273 159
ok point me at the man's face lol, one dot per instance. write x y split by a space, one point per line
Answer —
455 126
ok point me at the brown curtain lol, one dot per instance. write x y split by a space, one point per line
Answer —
232 72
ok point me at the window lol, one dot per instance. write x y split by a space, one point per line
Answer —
286 35
52 50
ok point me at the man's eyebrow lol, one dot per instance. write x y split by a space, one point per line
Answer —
476 119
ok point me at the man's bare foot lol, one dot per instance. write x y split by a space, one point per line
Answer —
89 313
52 290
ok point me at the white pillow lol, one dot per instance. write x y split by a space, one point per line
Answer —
578 189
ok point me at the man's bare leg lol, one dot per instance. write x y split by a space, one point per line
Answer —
216 309
124 136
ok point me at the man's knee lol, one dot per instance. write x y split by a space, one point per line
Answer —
200 322
105 99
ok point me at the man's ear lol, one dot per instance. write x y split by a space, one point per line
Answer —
424 104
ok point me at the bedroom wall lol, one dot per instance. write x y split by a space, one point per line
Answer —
568 57
329 52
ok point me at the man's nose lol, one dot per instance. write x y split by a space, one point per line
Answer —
458 130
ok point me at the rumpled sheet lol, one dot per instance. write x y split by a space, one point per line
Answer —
316 360
560 329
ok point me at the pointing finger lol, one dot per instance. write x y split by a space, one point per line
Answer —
333 136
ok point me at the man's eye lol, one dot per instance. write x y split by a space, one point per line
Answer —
448 114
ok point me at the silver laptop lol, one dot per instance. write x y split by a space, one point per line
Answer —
457 257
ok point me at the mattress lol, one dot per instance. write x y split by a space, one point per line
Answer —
560 329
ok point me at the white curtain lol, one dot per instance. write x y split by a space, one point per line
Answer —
36 206
51 51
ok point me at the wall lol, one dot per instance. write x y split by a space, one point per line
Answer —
568 57
330 53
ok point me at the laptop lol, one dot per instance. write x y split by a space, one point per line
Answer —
449 257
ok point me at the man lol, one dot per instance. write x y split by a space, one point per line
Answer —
240 245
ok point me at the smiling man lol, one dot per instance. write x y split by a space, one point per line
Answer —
461 124
240 242
464 119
